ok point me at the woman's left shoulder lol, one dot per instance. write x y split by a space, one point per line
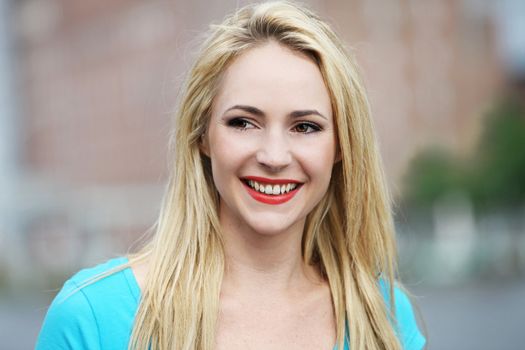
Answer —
405 320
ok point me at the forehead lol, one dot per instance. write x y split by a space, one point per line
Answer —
273 77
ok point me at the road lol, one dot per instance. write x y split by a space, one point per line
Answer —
488 316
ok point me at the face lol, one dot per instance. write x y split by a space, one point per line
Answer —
271 140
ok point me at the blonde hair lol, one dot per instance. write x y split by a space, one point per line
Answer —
349 234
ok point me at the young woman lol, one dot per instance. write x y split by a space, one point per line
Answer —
276 230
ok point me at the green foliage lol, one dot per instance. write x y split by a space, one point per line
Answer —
498 172
493 176
432 173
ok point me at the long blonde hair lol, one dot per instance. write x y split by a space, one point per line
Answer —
349 235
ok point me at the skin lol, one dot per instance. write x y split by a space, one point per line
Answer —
269 298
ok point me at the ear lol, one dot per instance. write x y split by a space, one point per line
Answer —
338 157
204 145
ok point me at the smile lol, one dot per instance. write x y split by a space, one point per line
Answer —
271 191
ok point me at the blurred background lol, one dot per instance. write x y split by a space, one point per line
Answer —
88 89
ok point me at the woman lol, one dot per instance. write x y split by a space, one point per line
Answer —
276 230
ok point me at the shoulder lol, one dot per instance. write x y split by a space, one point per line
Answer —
110 280
405 320
407 326
79 316
87 273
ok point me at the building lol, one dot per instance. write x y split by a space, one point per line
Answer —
94 85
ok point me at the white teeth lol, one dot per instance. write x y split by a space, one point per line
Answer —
272 189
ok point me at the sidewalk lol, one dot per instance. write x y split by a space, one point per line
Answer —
479 316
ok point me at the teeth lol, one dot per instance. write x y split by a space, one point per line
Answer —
272 189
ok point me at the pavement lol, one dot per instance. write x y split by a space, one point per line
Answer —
481 316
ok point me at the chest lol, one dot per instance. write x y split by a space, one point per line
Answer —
275 325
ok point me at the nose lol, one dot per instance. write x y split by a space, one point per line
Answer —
274 152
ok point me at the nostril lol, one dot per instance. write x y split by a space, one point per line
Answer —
274 160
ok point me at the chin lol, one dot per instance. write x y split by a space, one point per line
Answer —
273 226
269 230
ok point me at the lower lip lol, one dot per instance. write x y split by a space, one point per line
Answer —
271 199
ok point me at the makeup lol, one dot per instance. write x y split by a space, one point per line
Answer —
271 191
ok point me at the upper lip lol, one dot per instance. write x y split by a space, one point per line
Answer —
271 181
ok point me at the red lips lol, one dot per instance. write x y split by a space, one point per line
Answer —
270 198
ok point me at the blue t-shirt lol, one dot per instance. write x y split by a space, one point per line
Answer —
100 316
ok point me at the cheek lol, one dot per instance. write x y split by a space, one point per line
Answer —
227 156
220 162
319 159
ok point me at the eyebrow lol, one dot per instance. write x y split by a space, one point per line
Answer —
295 114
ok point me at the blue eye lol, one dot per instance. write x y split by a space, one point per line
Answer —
240 123
306 128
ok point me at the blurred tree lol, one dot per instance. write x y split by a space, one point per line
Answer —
498 167
432 173
493 176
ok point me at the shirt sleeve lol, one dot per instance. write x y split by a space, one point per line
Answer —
408 331
69 323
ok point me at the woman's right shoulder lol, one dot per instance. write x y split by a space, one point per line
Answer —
86 274
88 302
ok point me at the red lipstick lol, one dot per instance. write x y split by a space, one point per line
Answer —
271 181
270 198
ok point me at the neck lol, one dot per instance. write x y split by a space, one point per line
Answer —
261 263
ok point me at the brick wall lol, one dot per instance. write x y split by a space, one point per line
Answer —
98 82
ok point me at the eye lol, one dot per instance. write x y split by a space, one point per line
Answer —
240 123
306 127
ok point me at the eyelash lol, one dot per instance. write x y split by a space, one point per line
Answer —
240 124
312 126
243 124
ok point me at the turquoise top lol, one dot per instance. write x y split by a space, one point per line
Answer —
100 315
